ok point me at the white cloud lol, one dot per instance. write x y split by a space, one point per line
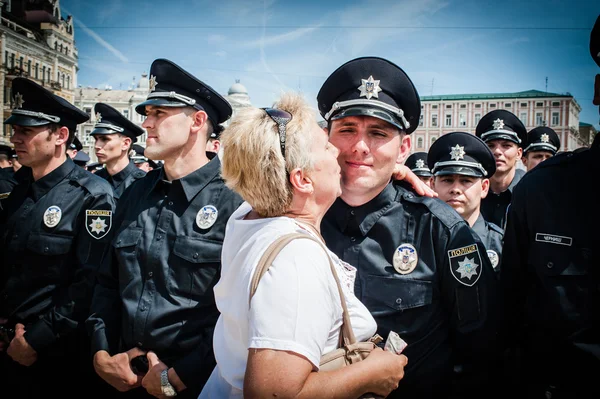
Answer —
221 54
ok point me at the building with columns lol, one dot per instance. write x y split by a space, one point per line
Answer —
461 112
38 43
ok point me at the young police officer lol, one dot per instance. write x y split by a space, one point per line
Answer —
422 272
506 136
114 135
54 223
551 274
417 162
155 292
542 143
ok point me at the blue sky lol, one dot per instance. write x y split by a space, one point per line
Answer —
445 46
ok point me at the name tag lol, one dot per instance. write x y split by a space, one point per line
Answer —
554 239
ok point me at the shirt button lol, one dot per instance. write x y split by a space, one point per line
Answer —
143 308
195 255
46 249
398 301
150 274
170 203
352 213
139 344
119 241
550 265
352 239
159 237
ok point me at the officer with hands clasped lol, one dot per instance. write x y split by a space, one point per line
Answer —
53 225
421 270
154 295
462 165
115 135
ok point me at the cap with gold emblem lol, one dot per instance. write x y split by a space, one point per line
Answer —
75 144
111 121
172 86
33 105
461 153
371 86
542 138
417 162
501 124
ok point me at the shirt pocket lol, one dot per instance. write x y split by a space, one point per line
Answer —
194 267
125 247
387 295
53 248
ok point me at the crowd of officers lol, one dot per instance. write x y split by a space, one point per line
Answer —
106 280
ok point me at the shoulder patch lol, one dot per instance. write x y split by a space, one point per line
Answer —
98 222
4 195
465 264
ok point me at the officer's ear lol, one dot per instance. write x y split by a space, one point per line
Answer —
199 121
62 135
405 145
485 187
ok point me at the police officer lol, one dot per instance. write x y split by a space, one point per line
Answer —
421 270
94 167
155 292
7 180
214 142
506 136
14 158
140 160
417 162
54 223
81 159
74 147
462 165
551 276
114 135
542 143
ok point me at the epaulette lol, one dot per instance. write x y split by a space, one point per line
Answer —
495 227
93 184
437 207
138 174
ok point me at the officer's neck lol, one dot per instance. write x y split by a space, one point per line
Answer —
115 166
181 166
499 182
40 170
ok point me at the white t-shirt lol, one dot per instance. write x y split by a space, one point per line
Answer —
296 306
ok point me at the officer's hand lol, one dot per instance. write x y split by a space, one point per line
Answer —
152 379
403 172
116 369
388 370
19 349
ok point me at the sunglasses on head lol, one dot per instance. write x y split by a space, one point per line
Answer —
281 118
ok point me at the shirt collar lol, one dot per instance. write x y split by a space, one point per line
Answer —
518 174
46 183
194 182
120 177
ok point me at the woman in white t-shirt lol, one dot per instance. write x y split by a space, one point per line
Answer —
281 162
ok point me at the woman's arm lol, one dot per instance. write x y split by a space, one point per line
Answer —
282 374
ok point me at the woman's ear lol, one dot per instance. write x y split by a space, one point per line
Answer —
301 181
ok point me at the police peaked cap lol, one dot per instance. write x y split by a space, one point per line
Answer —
216 134
172 86
371 86
542 138
501 124
94 166
595 42
111 121
417 162
36 106
6 150
137 155
81 158
76 144
461 153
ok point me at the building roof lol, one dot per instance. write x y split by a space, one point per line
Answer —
487 96
237 88
583 124
106 96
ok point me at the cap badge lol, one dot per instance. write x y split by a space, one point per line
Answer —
494 259
369 88
207 216
499 124
18 101
420 163
457 153
153 82
545 138
98 117
52 216
405 258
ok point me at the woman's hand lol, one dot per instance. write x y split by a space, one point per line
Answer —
388 370
403 172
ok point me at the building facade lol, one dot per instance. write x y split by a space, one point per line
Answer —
461 112
38 43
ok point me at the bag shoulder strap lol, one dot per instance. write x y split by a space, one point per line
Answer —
346 333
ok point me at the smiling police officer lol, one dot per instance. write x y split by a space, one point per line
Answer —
54 224
421 270
155 292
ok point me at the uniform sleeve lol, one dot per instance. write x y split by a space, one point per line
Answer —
72 307
470 290
103 324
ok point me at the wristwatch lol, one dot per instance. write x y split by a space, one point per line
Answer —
165 385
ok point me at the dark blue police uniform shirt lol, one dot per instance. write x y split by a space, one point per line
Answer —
120 181
441 314
495 206
155 288
492 237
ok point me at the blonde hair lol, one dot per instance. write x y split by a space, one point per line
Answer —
252 162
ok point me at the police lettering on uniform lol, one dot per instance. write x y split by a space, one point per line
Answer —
54 225
417 162
542 143
462 165
506 136
421 270
550 276
114 135
154 295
